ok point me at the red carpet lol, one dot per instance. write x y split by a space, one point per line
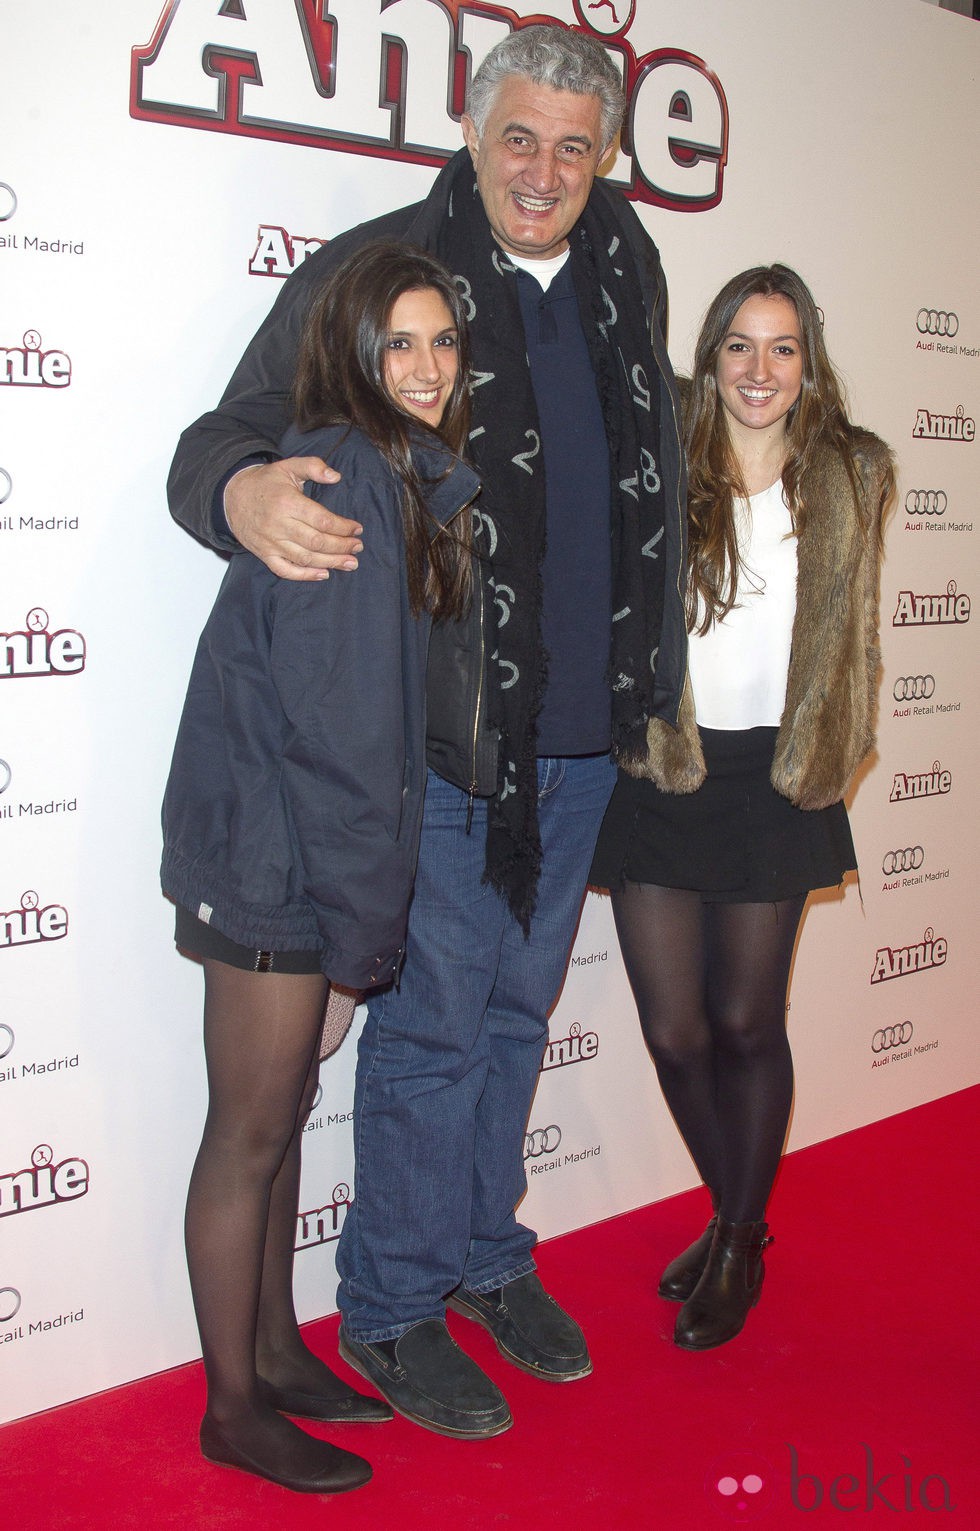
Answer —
849 1392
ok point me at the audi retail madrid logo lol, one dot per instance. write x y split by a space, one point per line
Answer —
891 1036
907 860
926 502
9 1303
543 1140
914 688
936 321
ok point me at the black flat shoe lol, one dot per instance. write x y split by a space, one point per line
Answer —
344 1407
683 1274
729 1288
335 1473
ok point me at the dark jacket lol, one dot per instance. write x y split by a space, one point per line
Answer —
294 803
253 413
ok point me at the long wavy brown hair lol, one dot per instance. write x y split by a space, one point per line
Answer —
340 380
818 418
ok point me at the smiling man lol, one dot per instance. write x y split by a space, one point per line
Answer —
575 639
536 155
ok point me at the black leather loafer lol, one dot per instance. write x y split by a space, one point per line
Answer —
529 1327
426 1377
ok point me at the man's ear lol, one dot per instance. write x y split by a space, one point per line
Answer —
471 137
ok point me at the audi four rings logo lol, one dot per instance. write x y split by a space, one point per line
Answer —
913 688
891 1036
543 1140
9 1303
935 321
926 502
907 860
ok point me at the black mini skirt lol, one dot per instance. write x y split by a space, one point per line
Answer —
193 935
735 839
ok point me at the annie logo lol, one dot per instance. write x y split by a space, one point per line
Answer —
32 922
930 427
578 1047
35 651
43 1183
934 783
900 961
322 1225
362 78
278 253
27 366
947 610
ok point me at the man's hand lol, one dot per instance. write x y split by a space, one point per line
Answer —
268 513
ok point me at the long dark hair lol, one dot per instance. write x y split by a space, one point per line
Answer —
818 417
340 379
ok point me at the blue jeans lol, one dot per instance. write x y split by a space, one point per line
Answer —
448 1062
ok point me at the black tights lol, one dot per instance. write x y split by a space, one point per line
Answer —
710 983
261 1034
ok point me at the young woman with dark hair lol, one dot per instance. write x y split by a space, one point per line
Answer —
291 824
711 847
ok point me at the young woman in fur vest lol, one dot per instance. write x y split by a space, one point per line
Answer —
712 846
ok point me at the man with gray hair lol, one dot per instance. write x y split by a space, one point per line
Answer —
575 640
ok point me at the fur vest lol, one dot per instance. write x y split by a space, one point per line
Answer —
827 726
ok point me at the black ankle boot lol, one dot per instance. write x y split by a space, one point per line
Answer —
683 1274
730 1285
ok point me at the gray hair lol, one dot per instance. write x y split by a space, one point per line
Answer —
553 56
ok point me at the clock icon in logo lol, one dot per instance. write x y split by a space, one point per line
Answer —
607 18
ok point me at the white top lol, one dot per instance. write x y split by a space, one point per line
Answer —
542 270
738 668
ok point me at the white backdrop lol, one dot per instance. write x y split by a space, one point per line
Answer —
142 238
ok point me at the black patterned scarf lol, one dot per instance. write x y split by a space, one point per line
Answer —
505 446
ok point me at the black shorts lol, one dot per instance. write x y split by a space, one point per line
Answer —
735 840
193 935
